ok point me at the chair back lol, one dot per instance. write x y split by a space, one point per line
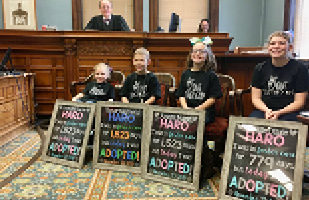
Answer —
166 78
225 105
116 78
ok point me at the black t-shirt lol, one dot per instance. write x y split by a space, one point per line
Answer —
98 92
279 84
137 87
197 87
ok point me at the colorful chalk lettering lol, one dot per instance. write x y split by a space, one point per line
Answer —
262 161
120 125
70 127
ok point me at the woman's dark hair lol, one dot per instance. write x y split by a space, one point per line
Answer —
200 30
209 64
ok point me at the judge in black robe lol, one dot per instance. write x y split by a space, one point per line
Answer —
107 21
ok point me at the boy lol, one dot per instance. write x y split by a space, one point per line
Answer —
141 86
99 89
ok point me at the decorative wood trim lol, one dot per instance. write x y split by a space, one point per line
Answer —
138 15
153 15
289 12
77 15
286 23
70 47
214 15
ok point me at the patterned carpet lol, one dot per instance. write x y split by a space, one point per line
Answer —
48 181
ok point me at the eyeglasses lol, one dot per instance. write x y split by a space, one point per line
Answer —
198 51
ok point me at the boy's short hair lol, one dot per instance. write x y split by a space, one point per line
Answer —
142 51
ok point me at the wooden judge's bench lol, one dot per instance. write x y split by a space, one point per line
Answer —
60 57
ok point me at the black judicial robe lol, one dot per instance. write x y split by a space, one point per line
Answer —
117 23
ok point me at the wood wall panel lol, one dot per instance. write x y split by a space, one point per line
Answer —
44 79
41 62
172 66
60 95
19 61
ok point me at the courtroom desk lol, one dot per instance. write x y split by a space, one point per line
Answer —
60 57
16 105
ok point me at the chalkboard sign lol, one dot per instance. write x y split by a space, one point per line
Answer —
118 136
264 160
173 146
68 133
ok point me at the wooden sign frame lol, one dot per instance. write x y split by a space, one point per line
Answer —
85 140
300 152
198 150
109 166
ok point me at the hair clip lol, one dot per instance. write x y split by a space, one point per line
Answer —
206 40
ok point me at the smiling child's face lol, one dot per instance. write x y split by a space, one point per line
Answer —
101 74
199 53
140 62
278 47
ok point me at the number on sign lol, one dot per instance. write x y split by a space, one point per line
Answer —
267 160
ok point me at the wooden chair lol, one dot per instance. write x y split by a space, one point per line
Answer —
164 95
217 130
170 81
117 78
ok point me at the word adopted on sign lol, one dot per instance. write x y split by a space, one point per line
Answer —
118 136
264 160
68 133
173 146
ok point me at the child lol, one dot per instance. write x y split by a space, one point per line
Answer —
141 86
280 84
199 88
99 89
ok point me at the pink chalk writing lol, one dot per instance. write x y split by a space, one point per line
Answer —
268 138
68 114
174 124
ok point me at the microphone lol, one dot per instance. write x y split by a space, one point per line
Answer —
6 58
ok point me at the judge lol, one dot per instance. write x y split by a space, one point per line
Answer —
106 21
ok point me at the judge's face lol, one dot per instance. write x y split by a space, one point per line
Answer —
106 8
101 74
205 26
199 53
278 47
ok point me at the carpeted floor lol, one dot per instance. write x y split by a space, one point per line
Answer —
48 181
44 180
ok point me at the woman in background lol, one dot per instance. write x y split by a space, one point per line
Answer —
203 26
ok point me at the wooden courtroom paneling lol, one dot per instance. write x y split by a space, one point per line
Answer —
60 57
172 66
